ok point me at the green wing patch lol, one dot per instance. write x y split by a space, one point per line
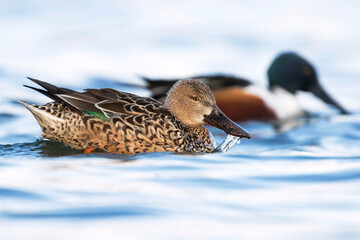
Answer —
100 115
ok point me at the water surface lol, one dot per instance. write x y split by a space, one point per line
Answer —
299 181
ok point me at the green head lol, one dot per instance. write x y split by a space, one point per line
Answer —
294 73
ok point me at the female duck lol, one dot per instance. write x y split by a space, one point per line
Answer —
125 123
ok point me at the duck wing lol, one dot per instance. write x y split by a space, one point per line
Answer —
100 102
116 103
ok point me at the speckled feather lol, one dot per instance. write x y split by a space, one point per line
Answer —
134 124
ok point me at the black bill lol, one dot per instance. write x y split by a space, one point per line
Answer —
218 119
323 95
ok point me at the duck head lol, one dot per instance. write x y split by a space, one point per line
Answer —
293 73
193 103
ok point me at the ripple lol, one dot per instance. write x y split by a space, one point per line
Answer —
86 212
205 182
323 177
12 193
38 148
5 117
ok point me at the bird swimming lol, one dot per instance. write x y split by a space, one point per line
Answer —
124 123
242 100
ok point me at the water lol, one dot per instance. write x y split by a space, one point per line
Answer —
298 180
228 143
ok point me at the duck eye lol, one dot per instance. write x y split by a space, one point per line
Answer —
196 99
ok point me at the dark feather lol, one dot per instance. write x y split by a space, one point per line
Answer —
104 101
46 93
220 81
126 107
104 93
111 108
51 88
81 101
75 100
159 87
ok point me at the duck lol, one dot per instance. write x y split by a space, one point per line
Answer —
124 123
242 100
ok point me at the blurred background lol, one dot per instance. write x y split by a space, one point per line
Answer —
299 184
69 42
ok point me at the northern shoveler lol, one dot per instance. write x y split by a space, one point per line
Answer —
242 100
125 123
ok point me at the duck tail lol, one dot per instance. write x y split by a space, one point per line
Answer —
51 91
43 115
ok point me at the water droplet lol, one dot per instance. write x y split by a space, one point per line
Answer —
228 143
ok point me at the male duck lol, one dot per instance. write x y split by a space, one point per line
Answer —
242 100
124 123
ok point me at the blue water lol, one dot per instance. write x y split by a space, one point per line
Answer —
299 181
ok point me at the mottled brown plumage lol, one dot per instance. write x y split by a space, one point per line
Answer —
125 123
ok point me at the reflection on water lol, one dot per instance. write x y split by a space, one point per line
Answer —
38 148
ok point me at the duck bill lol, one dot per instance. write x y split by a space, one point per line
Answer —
323 95
218 119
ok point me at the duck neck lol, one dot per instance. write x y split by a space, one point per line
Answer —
194 128
198 133
198 138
